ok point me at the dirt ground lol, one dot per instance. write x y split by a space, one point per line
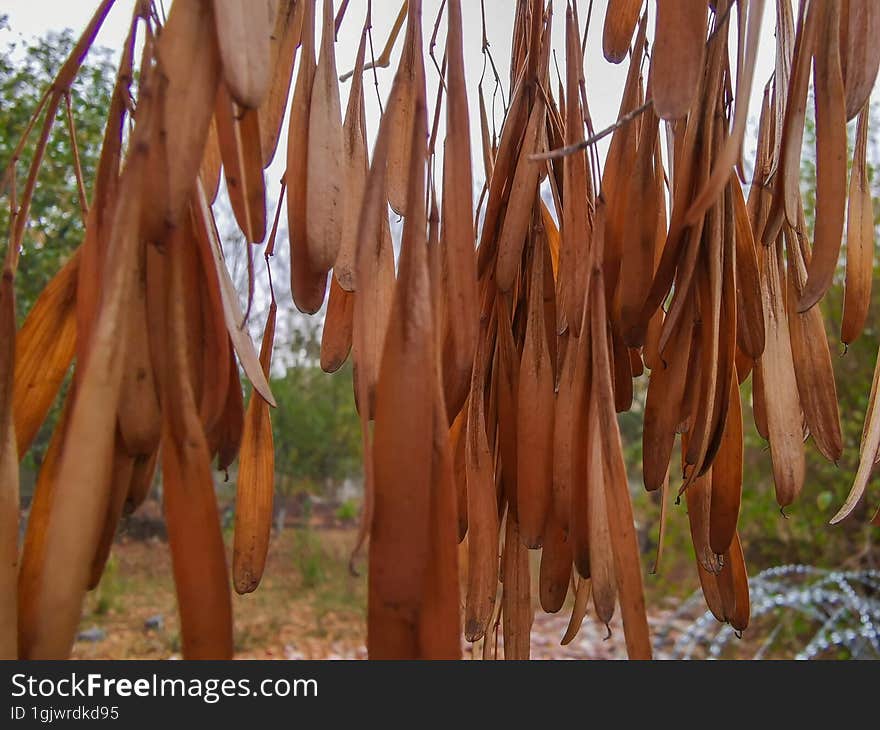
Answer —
308 606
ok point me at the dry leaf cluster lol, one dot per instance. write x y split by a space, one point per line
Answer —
491 365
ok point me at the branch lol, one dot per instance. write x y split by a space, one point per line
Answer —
571 149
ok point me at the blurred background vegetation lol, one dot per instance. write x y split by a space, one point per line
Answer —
316 430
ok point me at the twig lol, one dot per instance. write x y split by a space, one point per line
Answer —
436 126
384 60
77 167
60 84
571 149
9 172
442 73
488 54
251 284
338 22
369 29
720 22
270 247
586 26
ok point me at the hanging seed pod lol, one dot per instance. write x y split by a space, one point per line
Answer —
575 214
44 348
726 480
783 409
860 57
308 283
620 24
256 482
186 79
284 41
238 133
338 323
555 573
140 417
482 513
143 474
356 168
459 261
401 511
244 33
534 447
120 482
677 57
194 535
830 158
33 552
516 604
859 239
324 189
493 376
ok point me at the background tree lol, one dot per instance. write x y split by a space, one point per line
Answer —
316 426
26 70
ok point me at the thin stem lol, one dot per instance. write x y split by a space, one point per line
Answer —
442 73
77 167
436 126
338 22
373 54
384 60
9 172
60 85
571 149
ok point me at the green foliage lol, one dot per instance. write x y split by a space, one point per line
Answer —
316 429
347 511
56 223
310 558
107 595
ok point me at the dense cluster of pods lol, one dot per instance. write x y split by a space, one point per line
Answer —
491 360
